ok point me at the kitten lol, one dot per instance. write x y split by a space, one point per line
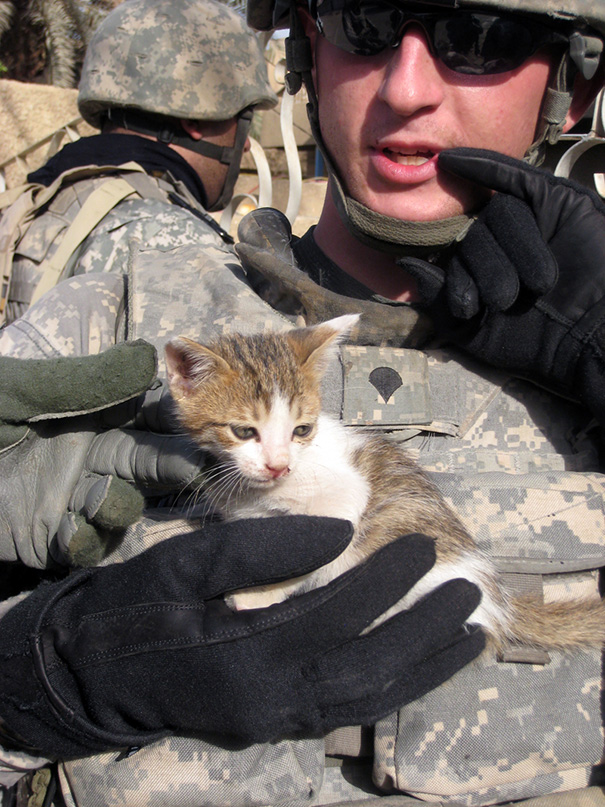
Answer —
254 403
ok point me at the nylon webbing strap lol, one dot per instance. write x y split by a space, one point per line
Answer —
95 208
19 206
521 584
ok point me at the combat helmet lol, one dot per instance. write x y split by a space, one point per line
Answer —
264 15
153 62
585 17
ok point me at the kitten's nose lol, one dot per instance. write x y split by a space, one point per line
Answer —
277 471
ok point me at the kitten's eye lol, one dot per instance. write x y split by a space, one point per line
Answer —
244 432
303 430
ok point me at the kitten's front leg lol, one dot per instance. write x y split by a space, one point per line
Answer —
262 596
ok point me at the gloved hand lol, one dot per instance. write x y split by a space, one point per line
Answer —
61 498
122 655
143 442
525 289
265 250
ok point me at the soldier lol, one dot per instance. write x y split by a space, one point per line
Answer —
171 84
491 302
432 118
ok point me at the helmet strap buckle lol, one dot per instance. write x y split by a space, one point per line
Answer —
165 135
585 52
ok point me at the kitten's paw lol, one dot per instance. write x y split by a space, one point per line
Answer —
255 598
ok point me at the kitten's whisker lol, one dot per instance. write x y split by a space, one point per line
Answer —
229 474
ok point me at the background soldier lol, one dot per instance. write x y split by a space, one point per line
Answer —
174 127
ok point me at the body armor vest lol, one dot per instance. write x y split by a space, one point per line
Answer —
520 467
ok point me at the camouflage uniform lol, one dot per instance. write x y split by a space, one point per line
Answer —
518 465
153 220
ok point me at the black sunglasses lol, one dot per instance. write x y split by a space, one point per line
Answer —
465 41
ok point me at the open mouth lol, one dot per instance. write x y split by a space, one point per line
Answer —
418 158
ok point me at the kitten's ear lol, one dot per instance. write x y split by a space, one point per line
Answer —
316 346
189 364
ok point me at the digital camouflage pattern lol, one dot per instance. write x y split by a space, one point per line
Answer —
147 217
590 11
181 59
519 466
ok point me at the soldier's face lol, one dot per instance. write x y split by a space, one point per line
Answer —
385 118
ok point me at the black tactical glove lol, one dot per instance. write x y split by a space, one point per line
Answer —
525 289
122 655
65 472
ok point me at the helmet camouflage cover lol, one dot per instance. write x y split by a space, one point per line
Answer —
192 59
260 13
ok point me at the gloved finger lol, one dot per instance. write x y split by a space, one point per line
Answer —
112 503
429 278
259 551
490 169
342 609
480 274
83 543
152 411
402 689
35 389
156 461
559 205
100 510
461 292
516 231
223 556
418 633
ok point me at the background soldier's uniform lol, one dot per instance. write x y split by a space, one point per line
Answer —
156 210
518 464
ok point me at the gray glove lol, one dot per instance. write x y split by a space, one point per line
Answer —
61 496
265 250
143 443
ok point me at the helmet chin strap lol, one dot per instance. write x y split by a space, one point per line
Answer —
386 233
583 56
170 132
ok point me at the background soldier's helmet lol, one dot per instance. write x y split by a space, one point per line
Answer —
193 59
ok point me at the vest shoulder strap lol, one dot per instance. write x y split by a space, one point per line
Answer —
95 208
20 205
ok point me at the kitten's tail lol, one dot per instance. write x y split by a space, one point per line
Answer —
567 625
